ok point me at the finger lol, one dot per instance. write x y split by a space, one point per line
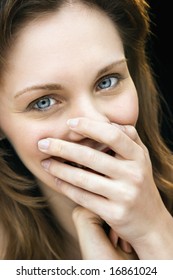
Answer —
111 212
125 246
93 202
93 241
113 236
84 156
112 135
87 180
131 132
115 240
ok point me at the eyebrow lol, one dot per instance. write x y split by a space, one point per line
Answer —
39 87
54 86
110 67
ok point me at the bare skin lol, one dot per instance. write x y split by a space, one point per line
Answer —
58 71
122 197
94 243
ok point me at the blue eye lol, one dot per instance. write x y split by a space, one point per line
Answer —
44 103
107 83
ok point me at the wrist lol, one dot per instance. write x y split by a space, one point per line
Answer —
158 242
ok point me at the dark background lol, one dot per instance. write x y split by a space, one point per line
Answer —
161 51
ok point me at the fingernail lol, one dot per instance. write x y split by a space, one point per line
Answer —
46 164
127 247
73 122
43 144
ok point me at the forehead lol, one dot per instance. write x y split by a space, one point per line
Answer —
72 24
70 38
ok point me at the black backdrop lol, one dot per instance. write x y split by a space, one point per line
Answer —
161 52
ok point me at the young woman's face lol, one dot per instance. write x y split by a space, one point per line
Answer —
66 65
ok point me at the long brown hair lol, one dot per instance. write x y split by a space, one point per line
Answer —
32 231
29 228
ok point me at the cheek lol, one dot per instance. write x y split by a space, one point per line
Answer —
125 110
25 143
24 136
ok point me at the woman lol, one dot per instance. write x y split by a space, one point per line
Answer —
76 87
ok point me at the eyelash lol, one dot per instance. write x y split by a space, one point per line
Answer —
30 107
118 77
35 102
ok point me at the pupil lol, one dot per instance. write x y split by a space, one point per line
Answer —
44 103
106 83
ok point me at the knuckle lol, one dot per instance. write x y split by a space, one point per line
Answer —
114 137
77 213
82 198
138 177
146 153
118 215
142 154
63 187
84 218
92 156
128 195
86 125
58 148
81 179
132 132
131 196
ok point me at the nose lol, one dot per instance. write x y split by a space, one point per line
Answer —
88 108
